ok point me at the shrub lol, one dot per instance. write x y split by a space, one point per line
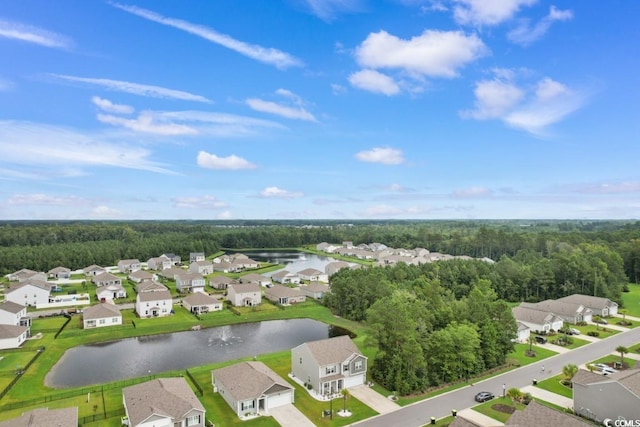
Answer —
593 333
582 323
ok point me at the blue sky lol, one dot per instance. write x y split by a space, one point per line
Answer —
319 109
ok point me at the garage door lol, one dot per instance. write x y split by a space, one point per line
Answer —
281 399
354 381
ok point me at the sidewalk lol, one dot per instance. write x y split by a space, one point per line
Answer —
373 399
548 396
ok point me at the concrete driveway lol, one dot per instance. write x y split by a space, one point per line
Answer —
373 399
290 416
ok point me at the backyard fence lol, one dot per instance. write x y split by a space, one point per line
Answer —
21 372
195 383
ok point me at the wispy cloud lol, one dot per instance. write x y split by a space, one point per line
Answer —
615 187
204 202
45 199
472 192
5 84
106 212
60 148
279 193
374 81
232 162
384 155
263 54
134 88
293 110
525 34
31 34
327 10
532 108
147 123
388 211
487 12
110 107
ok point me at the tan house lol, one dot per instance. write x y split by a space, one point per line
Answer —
284 295
106 279
244 294
101 315
59 273
315 290
201 303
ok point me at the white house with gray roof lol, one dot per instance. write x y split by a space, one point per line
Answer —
129 265
315 290
154 301
284 295
163 402
12 336
45 417
537 320
187 282
26 274
569 312
106 279
244 294
598 305
251 388
101 315
313 275
59 273
285 277
201 267
29 293
614 396
201 303
329 365
13 314
141 275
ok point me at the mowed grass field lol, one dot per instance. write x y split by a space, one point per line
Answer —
631 300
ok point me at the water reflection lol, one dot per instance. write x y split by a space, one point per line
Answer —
135 357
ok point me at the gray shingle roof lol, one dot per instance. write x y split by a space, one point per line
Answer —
527 314
588 301
154 296
11 307
45 417
170 397
332 350
536 414
558 307
279 291
101 311
241 288
12 331
250 380
200 298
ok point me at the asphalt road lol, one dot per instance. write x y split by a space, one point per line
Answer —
419 414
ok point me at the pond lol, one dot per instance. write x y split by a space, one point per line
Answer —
135 357
293 261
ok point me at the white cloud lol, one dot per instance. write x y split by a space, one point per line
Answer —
338 89
328 9
487 12
387 156
224 215
263 54
44 199
530 108
30 34
374 81
433 53
146 122
232 162
472 192
525 34
60 148
204 202
134 88
278 193
623 187
110 107
294 111
105 212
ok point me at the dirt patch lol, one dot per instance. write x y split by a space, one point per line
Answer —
506 409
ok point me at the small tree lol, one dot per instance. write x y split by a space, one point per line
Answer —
345 396
597 319
622 350
514 394
569 371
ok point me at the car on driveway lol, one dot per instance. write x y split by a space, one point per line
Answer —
574 331
601 321
483 396
604 369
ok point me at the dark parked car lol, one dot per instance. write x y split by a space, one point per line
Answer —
540 340
483 396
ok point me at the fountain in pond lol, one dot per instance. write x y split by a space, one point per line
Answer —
223 337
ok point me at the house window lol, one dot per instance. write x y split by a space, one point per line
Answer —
330 370
345 368
193 420
249 404
114 320
102 321
358 365
301 360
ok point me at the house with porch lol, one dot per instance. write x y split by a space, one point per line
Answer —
614 396
29 293
159 263
201 267
59 273
569 312
129 265
175 259
329 365
110 292
537 320
154 302
244 294
12 336
13 314
221 282
101 315
599 306
285 277
251 388
313 275
201 303
284 295
190 282
93 270
106 279
163 402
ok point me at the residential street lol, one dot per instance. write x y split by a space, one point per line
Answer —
419 413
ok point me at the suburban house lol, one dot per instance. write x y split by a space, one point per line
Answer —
175 259
251 388
141 275
221 282
190 282
255 278
614 396
129 265
201 267
106 279
200 303
171 272
569 312
93 270
537 320
284 295
335 266
226 267
244 294
243 261
26 274
12 336
163 402
110 292
13 314
313 275
59 273
154 302
539 415
29 293
196 256
315 290
329 365
150 286
285 277
599 306
63 417
100 315
523 334
326 247
159 263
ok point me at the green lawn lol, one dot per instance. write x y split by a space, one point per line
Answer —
613 358
602 330
577 342
519 357
631 300
487 409
554 385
